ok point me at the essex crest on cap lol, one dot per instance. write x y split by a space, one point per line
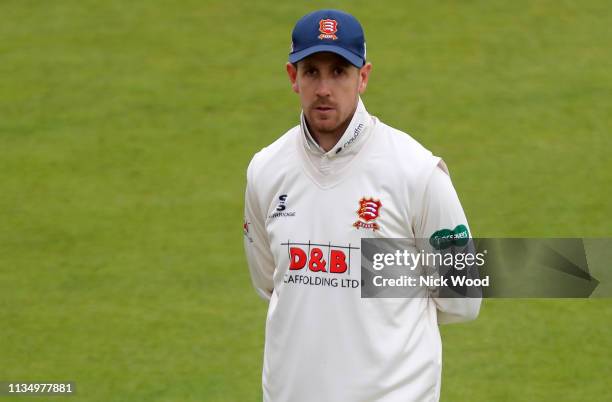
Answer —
328 28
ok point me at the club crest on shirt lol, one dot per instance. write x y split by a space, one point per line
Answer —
369 210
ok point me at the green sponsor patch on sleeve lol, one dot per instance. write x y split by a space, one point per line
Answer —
445 238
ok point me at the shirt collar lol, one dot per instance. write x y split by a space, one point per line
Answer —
355 134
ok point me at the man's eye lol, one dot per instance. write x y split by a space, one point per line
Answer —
338 71
310 71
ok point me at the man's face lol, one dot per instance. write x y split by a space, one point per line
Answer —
328 86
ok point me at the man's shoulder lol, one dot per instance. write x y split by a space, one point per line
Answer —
277 153
405 160
405 148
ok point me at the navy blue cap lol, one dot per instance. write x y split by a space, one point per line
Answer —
328 31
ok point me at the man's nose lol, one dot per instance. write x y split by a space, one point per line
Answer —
323 88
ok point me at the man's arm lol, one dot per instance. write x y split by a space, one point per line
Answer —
441 209
256 244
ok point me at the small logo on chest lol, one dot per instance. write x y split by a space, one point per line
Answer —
369 210
281 208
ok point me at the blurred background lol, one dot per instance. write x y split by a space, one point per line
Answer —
125 132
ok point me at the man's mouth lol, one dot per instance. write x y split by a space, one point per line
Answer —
323 108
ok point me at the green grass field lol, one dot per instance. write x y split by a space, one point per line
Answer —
125 132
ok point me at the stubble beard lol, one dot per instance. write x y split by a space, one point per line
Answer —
321 130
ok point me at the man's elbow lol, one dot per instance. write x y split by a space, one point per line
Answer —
467 310
264 293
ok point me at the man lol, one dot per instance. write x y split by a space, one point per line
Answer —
339 176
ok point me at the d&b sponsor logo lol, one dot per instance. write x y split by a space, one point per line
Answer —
320 264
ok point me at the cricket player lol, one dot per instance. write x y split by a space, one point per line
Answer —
339 176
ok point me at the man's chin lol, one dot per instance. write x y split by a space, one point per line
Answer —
325 127
323 124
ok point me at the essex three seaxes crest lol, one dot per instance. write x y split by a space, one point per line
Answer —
328 28
369 210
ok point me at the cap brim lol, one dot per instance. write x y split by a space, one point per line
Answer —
350 56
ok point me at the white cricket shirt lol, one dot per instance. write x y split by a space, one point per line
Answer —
305 214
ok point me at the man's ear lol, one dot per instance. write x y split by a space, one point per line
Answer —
364 76
292 73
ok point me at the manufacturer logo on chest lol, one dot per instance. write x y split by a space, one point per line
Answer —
281 208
